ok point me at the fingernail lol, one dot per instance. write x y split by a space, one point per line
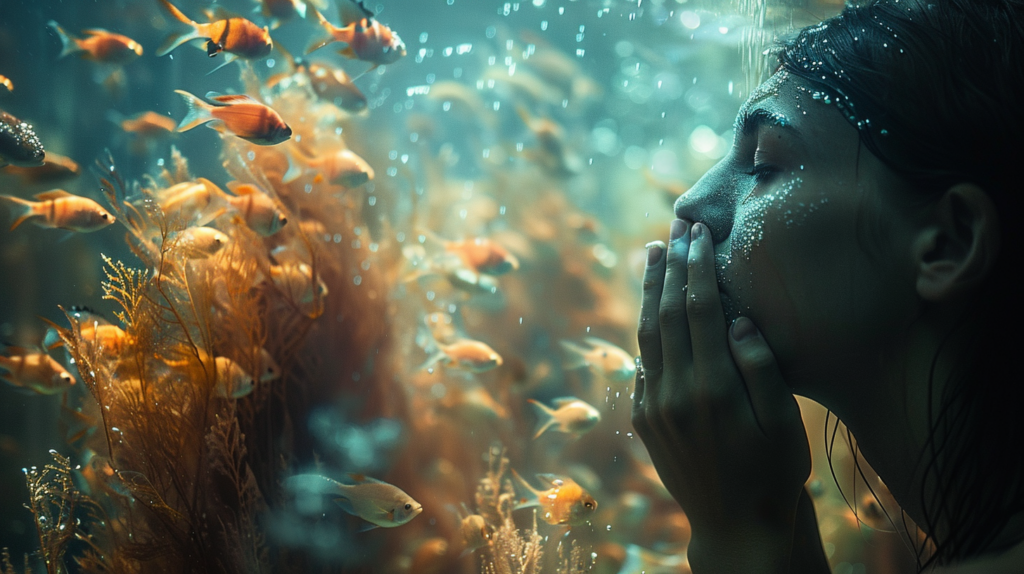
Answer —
742 329
677 229
654 250
697 231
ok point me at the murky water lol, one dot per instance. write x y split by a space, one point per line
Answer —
389 301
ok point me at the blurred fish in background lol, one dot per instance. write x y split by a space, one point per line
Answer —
400 266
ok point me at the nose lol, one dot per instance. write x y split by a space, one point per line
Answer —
711 201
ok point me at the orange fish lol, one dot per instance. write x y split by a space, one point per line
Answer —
602 358
342 167
570 415
19 144
566 502
7 83
237 114
61 210
367 39
467 355
55 168
34 371
483 255
334 85
148 124
101 46
259 211
239 37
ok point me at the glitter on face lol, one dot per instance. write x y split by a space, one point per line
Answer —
750 228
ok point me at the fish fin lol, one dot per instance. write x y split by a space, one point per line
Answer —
368 526
198 112
52 194
348 52
52 340
438 357
218 126
294 171
319 44
68 234
597 342
231 98
345 505
576 356
552 479
228 58
95 31
175 40
177 14
300 9
545 420
562 401
69 44
353 11
532 497
25 206
360 478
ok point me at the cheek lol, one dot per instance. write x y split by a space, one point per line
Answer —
788 268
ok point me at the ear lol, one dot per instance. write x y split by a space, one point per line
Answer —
956 249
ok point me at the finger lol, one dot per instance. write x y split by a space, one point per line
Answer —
675 333
638 395
704 312
648 332
774 405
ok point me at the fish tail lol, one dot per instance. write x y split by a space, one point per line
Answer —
177 13
70 45
531 498
198 112
576 356
546 418
175 40
25 206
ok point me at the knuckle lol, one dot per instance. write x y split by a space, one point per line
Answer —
671 312
646 331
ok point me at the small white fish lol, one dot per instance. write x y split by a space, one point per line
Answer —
570 415
61 210
375 501
602 358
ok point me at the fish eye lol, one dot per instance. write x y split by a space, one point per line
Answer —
588 504
408 506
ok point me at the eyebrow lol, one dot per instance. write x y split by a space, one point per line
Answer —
749 121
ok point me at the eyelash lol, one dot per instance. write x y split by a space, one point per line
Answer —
762 172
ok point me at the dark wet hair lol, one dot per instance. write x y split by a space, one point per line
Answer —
934 89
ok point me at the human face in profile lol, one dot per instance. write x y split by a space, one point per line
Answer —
812 239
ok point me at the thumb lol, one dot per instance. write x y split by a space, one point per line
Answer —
773 402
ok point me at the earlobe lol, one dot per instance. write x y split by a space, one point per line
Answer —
956 250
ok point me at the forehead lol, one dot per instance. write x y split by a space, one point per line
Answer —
795 102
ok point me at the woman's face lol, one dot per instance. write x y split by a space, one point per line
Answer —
810 240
